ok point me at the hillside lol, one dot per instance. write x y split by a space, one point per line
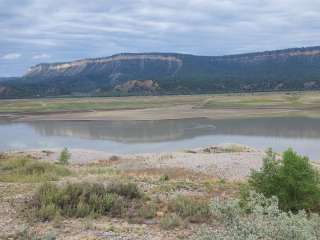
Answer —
171 73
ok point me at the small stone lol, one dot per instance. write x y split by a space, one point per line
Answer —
160 214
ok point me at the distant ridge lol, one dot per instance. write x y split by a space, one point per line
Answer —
170 73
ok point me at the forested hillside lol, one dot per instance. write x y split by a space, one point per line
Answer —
171 73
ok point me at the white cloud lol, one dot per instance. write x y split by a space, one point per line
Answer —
41 56
11 56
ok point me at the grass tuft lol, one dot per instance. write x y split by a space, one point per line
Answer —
128 190
26 169
190 208
170 221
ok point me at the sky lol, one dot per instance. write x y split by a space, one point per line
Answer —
37 31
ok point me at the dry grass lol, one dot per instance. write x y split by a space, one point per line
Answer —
27 169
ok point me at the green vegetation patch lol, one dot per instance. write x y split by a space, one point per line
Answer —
264 220
26 169
64 157
171 221
294 181
84 199
190 208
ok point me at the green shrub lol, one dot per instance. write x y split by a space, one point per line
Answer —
128 190
293 180
164 178
196 210
80 200
148 211
64 157
170 221
48 212
264 221
26 169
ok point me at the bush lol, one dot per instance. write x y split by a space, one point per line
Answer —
64 157
80 200
170 221
195 210
164 178
265 221
25 169
128 190
293 180
148 211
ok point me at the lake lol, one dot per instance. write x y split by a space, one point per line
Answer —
302 134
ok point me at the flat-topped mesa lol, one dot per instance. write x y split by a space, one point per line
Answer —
171 73
79 65
174 61
278 54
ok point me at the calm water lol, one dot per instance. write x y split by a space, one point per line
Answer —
302 134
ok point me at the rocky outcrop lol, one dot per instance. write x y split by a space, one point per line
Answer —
138 86
111 64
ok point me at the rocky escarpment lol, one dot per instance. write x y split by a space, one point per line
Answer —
148 86
113 66
171 73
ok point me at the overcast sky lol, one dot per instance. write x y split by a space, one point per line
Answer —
35 31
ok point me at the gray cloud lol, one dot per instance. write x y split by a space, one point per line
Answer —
66 30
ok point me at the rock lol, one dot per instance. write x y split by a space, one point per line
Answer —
160 214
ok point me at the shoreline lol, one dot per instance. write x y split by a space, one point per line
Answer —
232 162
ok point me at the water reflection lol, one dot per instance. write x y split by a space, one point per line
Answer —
302 134
165 130
127 131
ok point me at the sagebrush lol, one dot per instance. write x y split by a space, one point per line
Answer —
83 199
264 221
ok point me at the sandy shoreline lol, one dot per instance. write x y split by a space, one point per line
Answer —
230 162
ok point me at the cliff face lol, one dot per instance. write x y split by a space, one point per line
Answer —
111 67
154 73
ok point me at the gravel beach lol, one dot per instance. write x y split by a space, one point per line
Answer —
230 162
